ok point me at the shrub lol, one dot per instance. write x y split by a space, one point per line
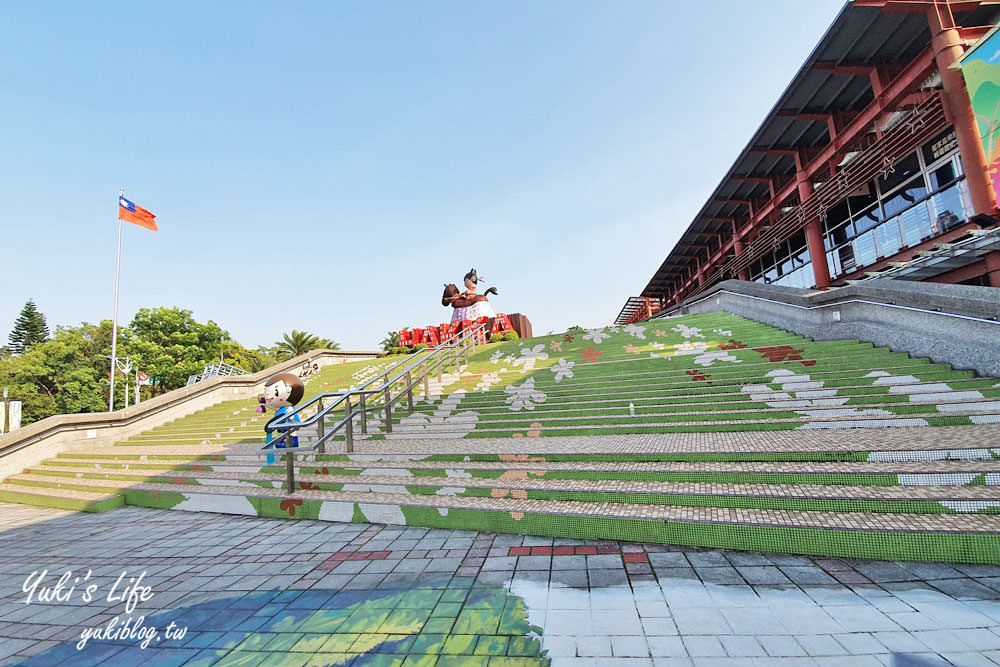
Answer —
505 336
418 347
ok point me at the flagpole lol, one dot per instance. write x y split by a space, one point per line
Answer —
114 321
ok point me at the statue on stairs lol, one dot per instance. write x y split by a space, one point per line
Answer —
468 305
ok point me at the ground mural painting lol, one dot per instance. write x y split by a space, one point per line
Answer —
440 620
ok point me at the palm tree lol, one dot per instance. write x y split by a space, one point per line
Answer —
327 344
300 342
391 340
264 357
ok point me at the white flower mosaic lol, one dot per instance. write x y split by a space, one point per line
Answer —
530 355
444 422
722 332
496 356
696 347
710 358
563 370
596 335
447 379
799 393
524 396
488 380
688 332
362 375
938 392
636 331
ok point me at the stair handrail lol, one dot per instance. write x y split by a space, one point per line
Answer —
451 350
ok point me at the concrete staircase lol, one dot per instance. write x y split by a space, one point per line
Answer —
706 430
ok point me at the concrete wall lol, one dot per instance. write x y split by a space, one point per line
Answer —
54 435
955 324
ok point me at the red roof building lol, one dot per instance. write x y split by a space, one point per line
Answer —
870 162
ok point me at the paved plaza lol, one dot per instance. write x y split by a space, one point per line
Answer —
253 591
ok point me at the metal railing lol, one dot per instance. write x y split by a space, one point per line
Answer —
217 369
396 382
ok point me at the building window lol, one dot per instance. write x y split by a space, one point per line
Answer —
923 195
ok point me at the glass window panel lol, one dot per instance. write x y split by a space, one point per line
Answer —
888 237
916 224
833 264
949 209
786 267
864 249
901 172
867 219
905 197
771 275
841 234
837 215
805 275
846 256
861 198
943 175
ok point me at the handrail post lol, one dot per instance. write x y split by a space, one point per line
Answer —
321 424
290 464
427 386
409 391
349 427
440 367
364 415
388 412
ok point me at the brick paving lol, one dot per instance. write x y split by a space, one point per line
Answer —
271 592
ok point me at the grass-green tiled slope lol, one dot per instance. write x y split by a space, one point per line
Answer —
698 373
711 372
230 422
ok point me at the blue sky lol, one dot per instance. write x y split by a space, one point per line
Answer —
327 166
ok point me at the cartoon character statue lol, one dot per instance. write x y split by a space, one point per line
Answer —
468 305
281 393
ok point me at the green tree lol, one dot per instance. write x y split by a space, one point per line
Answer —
62 375
300 342
29 329
168 343
390 341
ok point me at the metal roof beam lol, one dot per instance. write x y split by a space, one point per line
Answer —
921 6
750 178
896 90
784 151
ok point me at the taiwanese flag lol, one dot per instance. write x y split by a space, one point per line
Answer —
129 212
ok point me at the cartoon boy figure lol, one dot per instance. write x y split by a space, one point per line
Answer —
281 393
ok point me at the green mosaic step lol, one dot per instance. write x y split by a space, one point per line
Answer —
897 499
67 499
847 472
942 537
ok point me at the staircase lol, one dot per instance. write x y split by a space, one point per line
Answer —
705 430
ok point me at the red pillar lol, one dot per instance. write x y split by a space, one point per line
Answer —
744 274
993 268
814 238
948 47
